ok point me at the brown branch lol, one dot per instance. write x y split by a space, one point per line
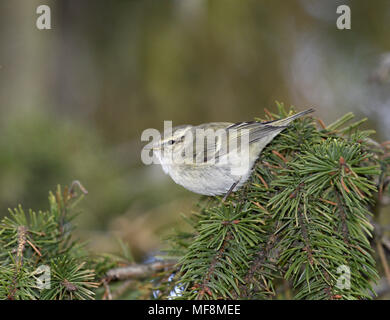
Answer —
308 249
383 259
77 183
122 289
138 271
217 257
328 289
107 292
343 217
22 237
382 289
257 266
305 237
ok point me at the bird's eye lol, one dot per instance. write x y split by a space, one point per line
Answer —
171 142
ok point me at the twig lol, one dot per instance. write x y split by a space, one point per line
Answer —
122 289
305 237
107 292
381 289
22 236
343 217
137 271
78 184
382 256
258 266
217 257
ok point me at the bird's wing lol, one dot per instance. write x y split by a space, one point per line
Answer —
256 130
224 137
208 141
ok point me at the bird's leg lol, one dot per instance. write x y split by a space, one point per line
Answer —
230 190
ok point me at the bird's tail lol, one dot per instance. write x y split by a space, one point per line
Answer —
286 121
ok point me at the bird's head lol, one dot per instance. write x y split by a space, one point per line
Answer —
171 144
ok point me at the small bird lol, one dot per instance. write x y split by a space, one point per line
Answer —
208 166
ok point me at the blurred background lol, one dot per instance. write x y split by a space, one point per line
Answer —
75 99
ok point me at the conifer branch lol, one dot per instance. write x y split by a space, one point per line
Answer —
310 208
31 244
311 189
259 266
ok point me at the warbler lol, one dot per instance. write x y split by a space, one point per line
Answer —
216 158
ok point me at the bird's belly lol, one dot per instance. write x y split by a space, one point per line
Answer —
213 180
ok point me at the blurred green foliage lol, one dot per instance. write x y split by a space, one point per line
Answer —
48 150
